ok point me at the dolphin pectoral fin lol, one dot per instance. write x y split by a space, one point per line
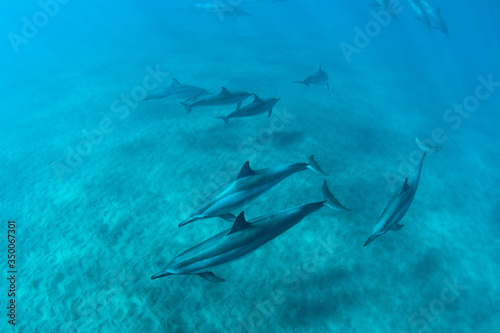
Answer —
238 106
397 227
313 165
270 112
328 87
228 217
331 201
187 107
406 186
210 276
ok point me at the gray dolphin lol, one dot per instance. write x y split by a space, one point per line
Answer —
401 200
224 98
318 78
430 15
249 185
178 90
242 239
386 5
257 107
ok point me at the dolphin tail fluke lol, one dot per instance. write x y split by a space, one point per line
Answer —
369 240
210 276
226 119
187 106
427 147
313 165
331 201
301 82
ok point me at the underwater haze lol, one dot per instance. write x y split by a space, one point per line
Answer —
101 163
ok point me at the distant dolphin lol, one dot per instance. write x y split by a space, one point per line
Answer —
249 185
386 5
224 98
242 239
401 200
220 8
430 15
319 78
258 106
178 90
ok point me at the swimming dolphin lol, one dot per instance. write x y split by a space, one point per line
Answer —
386 5
258 106
430 15
224 98
319 78
401 200
240 240
249 185
218 7
178 90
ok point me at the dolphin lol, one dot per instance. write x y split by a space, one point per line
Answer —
318 78
221 8
401 200
178 90
241 239
430 15
385 5
258 106
249 185
224 98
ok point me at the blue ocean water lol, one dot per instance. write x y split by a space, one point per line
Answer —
98 180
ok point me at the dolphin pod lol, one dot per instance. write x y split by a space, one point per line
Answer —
241 239
400 202
248 185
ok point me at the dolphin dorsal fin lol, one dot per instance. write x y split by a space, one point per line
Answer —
245 171
176 83
406 186
224 91
256 98
239 224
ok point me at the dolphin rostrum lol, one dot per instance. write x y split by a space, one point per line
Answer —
232 244
224 98
318 78
258 106
178 90
401 200
249 185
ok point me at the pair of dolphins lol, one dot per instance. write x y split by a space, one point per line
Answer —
428 14
244 236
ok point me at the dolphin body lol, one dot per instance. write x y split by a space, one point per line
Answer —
178 90
249 185
385 5
318 78
257 107
224 98
430 15
400 201
242 239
